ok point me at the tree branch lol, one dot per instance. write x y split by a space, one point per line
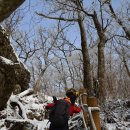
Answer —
127 32
57 18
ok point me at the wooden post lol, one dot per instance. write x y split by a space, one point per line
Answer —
84 101
92 102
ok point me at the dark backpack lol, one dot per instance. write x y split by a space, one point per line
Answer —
59 113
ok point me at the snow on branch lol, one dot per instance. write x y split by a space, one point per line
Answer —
16 121
6 61
26 92
14 101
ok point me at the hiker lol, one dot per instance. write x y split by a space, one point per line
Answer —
62 109
71 96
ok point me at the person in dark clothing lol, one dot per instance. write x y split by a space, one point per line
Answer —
52 127
71 95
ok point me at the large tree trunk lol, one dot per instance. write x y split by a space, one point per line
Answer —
101 57
7 7
87 81
101 70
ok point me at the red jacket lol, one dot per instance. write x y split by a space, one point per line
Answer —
73 108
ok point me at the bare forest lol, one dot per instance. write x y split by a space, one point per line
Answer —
74 44
81 44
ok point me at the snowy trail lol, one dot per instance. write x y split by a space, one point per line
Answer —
33 107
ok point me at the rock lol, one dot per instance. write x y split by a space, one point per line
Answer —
7 82
12 70
17 89
7 7
22 75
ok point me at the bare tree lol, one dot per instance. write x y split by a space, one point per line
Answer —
24 45
46 48
123 52
75 16
101 28
119 20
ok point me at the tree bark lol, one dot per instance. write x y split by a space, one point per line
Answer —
101 57
87 75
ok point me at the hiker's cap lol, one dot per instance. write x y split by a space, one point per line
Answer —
72 91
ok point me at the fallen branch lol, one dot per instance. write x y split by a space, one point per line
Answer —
22 121
26 92
14 101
